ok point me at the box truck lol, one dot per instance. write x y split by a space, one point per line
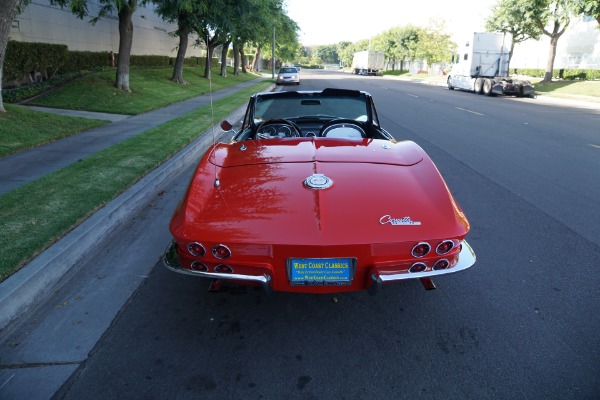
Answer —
368 62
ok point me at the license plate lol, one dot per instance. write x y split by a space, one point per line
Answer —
321 271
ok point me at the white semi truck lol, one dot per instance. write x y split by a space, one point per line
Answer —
482 67
368 62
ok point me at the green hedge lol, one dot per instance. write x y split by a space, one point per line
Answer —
582 74
22 58
560 73
50 60
86 60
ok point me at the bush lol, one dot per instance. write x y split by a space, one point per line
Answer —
581 74
23 59
87 60
563 73
149 61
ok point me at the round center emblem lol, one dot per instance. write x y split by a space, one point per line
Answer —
318 181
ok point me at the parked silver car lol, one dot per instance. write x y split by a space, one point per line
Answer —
288 75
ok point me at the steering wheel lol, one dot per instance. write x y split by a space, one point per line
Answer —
343 128
277 128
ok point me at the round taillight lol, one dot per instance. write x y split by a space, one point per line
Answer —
421 249
221 252
198 266
196 249
441 264
444 247
417 267
224 269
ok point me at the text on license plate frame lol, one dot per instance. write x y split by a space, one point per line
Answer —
337 271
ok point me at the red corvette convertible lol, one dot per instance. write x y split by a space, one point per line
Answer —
312 195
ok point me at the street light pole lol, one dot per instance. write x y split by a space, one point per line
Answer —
273 56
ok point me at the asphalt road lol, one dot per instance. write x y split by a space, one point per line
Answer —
522 323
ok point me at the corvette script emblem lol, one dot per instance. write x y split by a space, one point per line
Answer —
387 219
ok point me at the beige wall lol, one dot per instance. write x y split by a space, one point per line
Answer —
42 22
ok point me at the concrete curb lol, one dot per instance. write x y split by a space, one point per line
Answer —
21 291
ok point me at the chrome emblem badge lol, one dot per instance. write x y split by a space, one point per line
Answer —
318 181
387 219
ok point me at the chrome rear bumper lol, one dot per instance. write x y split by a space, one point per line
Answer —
171 260
466 259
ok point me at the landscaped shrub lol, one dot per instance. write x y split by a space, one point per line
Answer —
561 73
38 61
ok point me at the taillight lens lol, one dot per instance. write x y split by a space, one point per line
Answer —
224 269
417 267
221 252
198 266
421 250
444 247
441 264
196 249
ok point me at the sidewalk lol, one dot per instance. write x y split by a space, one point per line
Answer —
34 281
27 166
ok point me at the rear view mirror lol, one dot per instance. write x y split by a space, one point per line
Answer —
226 125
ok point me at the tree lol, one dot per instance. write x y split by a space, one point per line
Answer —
408 43
125 10
269 15
508 16
188 14
340 49
589 7
8 10
552 17
327 53
388 43
435 45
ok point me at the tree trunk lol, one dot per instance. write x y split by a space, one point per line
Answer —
224 50
183 44
125 42
551 57
243 58
556 33
236 59
255 61
210 47
7 14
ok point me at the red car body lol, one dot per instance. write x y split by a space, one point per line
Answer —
318 214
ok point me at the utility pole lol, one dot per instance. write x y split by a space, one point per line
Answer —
273 56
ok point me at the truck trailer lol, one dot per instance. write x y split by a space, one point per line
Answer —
368 62
482 67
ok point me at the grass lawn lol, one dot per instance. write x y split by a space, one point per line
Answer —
34 216
150 89
570 88
22 128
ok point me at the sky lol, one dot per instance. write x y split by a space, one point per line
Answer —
332 21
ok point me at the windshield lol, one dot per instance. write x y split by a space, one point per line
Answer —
288 70
310 105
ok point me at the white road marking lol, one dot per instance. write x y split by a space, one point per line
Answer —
469 111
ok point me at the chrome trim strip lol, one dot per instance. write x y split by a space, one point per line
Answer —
466 259
171 261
